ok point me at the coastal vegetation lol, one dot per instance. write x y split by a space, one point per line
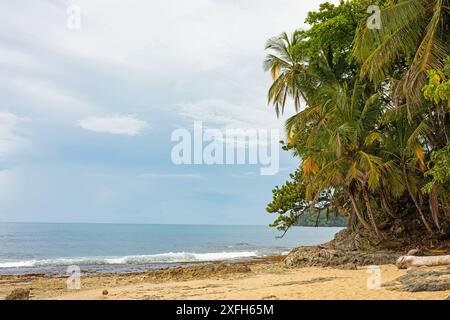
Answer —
372 121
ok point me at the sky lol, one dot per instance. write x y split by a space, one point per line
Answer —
88 106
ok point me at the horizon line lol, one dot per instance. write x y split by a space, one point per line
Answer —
139 223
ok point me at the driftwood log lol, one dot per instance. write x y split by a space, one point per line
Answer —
413 261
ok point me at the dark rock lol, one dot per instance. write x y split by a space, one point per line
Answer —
105 292
419 280
19 294
420 286
317 257
197 272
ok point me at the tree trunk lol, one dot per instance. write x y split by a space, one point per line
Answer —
413 197
446 207
371 215
385 205
412 261
434 205
358 213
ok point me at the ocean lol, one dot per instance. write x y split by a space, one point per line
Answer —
50 248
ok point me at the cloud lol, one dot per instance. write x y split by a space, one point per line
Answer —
11 140
228 117
196 33
129 57
126 125
188 29
211 57
42 90
44 98
225 115
15 58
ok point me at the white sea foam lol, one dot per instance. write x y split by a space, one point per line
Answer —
18 264
171 257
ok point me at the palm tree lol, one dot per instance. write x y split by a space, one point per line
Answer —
353 139
331 137
413 39
294 74
403 145
287 69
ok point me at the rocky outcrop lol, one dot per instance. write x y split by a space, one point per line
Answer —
420 280
19 294
197 272
321 257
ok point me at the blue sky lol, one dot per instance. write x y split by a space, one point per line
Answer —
86 115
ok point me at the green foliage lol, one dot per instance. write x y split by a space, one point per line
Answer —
439 169
293 209
413 39
288 202
299 64
365 135
332 31
438 88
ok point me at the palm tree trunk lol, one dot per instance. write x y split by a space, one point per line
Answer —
434 205
370 213
385 205
413 197
358 213
352 220
446 207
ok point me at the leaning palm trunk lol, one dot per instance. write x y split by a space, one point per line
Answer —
446 207
385 205
413 197
359 214
434 205
370 213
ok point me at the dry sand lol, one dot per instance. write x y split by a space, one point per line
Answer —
267 280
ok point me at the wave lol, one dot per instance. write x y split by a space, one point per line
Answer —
171 257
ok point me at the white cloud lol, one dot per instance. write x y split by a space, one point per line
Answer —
204 34
11 140
42 90
10 57
225 115
43 98
191 47
126 125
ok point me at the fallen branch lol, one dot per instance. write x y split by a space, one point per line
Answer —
412 261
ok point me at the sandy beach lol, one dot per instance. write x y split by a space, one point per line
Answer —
266 280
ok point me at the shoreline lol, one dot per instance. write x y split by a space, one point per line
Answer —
108 269
260 279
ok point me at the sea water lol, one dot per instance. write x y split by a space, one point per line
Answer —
51 248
